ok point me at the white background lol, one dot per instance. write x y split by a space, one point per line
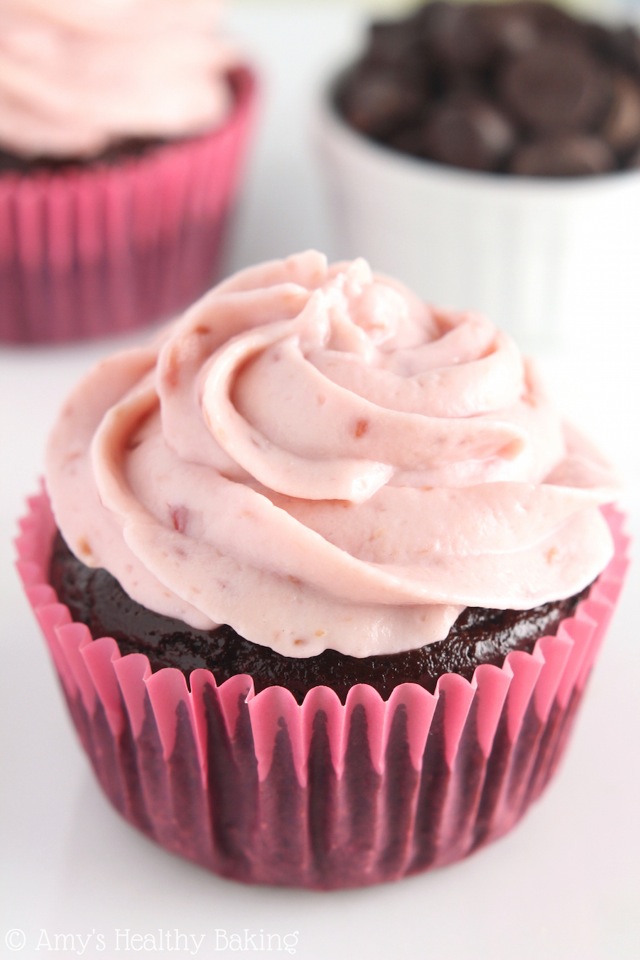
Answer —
565 884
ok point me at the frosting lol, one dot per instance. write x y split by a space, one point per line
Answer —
76 76
317 458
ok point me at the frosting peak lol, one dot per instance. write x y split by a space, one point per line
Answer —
76 76
319 459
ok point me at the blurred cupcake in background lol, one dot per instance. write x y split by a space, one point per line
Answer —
123 127
488 154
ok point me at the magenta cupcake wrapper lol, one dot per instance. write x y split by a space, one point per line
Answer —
261 789
104 248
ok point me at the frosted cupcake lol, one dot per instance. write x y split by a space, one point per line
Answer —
122 133
324 580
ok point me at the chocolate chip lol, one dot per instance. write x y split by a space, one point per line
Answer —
621 127
454 36
468 133
378 102
514 29
551 22
391 44
408 140
574 155
619 46
554 87
633 161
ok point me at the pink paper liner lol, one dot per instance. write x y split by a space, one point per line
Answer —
323 795
106 248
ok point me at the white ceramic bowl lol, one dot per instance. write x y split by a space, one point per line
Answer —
556 262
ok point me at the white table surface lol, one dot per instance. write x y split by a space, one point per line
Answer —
565 884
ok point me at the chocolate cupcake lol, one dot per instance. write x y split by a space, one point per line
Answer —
328 579
122 134
486 155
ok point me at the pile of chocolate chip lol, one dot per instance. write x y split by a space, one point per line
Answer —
518 88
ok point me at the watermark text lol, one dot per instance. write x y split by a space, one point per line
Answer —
160 940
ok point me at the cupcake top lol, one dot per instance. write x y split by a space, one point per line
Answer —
317 458
77 76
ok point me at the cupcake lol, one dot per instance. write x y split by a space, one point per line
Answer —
323 575
487 155
122 133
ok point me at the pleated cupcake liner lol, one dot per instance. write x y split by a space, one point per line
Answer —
323 794
109 247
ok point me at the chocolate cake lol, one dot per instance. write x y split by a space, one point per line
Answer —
125 149
479 636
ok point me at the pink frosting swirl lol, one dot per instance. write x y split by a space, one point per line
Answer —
75 75
317 458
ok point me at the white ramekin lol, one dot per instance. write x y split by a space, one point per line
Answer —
555 262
